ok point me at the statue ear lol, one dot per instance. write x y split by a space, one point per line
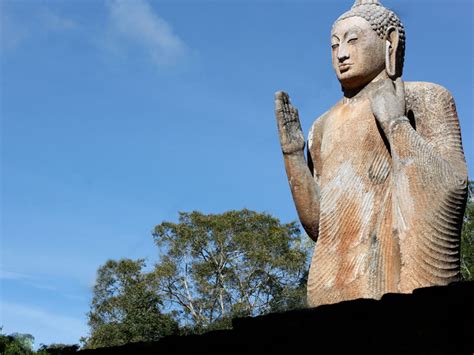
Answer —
392 39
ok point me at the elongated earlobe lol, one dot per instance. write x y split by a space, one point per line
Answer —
391 50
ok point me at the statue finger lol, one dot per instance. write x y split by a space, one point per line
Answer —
280 106
385 87
388 85
295 115
279 95
283 96
399 87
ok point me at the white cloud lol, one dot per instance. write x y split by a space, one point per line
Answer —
135 21
55 22
9 275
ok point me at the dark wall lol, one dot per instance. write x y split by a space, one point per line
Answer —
435 320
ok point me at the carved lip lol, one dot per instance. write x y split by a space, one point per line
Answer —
345 66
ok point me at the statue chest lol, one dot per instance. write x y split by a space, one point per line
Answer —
352 141
355 201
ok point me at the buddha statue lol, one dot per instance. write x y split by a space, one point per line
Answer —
383 187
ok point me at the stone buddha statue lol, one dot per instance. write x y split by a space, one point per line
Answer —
383 187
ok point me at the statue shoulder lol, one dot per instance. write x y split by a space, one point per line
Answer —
426 93
317 128
432 112
430 106
419 86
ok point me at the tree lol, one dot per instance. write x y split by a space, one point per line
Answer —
16 344
467 238
239 263
124 308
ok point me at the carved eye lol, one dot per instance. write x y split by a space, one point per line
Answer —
352 40
335 45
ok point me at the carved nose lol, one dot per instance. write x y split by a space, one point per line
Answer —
342 57
343 53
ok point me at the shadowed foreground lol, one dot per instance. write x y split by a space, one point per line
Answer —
434 320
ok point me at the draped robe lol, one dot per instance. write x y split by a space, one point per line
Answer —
391 205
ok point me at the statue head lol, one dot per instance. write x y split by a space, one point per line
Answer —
367 41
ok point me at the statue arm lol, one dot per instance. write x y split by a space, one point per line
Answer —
304 188
411 151
429 177
305 192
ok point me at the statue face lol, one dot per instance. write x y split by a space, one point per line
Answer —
358 54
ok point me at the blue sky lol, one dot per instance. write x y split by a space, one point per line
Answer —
115 115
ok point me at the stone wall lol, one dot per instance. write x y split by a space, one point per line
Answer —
435 320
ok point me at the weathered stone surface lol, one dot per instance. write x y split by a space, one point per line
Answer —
384 186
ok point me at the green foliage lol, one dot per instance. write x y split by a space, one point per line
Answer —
16 344
467 238
124 308
239 263
22 344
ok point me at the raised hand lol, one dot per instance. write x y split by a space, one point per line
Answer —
289 126
388 103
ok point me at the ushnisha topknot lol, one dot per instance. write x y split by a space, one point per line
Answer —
380 19
366 2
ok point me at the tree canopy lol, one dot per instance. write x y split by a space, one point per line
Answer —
124 308
210 269
218 266
17 344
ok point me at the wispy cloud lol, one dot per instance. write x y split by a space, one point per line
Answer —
55 22
25 279
15 29
40 283
136 21
12 32
47 327
132 26
9 275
